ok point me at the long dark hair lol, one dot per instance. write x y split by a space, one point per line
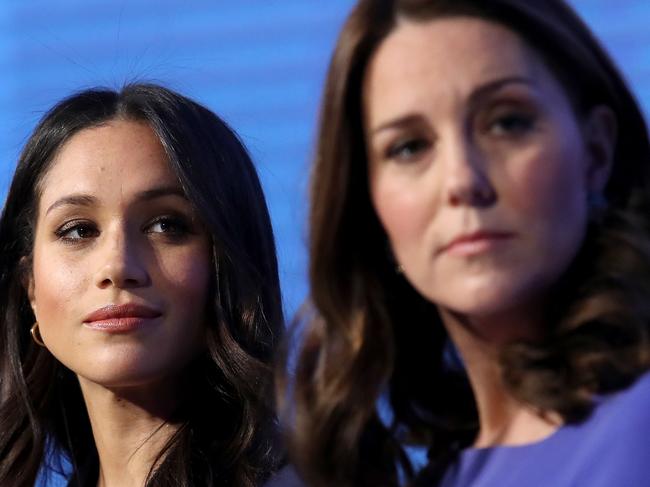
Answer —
228 428
369 334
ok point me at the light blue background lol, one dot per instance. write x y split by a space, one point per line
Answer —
258 63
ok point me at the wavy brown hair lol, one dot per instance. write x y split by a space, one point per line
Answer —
228 428
369 334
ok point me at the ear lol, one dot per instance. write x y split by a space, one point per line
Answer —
600 134
27 280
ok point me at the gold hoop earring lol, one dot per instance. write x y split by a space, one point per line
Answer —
36 334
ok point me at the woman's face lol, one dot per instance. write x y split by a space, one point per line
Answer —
121 263
479 169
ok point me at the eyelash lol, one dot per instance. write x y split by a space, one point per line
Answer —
64 230
413 146
513 124
180 229
180 225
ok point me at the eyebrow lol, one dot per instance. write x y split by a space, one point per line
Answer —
87 200
475 97
492 86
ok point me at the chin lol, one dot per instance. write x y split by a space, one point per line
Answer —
119 377
485 296
121 370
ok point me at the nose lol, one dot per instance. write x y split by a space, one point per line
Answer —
467 182
120 265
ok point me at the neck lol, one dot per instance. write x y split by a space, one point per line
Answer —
130 427
503 419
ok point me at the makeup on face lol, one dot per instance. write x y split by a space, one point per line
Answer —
479 174
122 263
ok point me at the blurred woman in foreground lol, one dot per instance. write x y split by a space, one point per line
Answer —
479 254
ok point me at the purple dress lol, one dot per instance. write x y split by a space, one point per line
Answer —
610 449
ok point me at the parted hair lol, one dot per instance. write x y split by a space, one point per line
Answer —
228 428
367 335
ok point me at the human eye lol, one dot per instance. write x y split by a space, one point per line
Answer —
512 124
76 231
509 119
405 150
171 226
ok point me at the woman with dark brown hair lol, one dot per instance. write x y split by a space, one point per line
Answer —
140 299
480 257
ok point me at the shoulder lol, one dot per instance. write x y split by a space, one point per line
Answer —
617 444
610 448
285 477
628 410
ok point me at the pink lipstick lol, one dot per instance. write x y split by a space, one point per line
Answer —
474 243
121 318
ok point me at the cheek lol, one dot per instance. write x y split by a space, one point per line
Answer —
186 275
58 284
401 209
550 187
550 207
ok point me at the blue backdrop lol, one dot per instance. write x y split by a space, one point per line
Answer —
258 63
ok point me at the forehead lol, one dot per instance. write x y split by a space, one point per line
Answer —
447 55
117 158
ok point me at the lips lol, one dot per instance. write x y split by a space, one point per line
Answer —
121 317
474 242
